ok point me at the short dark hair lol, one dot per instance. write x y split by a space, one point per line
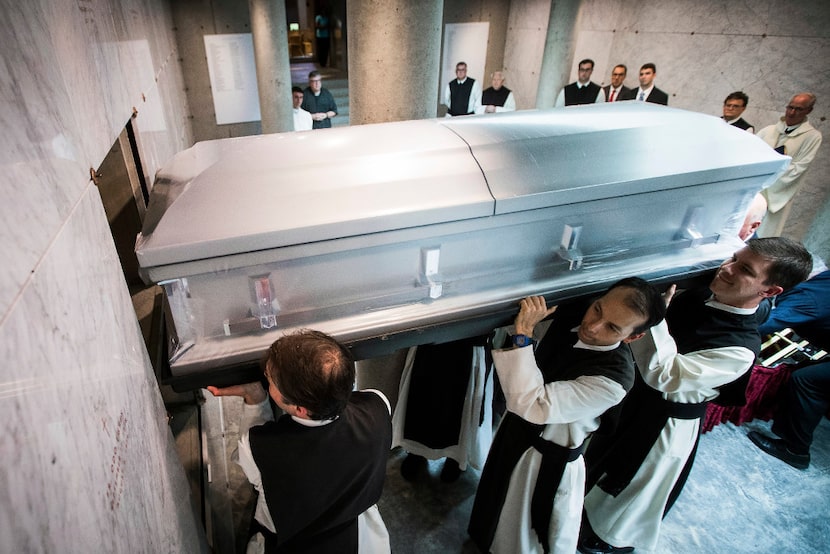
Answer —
622 65
296 89
738 95
791 262
643 298
586 60
650 66
312 370
314 73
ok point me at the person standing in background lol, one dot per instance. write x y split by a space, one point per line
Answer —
319 102
583 90
617 89
792 136
497 98
462 95
733 107
302 119
321 38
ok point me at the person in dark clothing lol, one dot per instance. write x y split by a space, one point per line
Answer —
308 503
806 397
462 95
708 342
497 98
532 485
583 91
733 107
319 102
647 92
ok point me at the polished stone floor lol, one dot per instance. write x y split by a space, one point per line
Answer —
738 499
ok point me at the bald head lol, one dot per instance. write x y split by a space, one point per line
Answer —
799 107
497 80
754 216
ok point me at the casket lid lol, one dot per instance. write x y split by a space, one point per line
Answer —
232 196
563 156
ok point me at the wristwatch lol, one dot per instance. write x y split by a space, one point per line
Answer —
522 340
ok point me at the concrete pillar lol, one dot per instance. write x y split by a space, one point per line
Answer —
559 51
394 59
270 36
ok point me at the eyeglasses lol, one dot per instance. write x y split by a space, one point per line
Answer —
315 80
733 106
796 109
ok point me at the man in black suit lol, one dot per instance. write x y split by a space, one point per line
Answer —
617 90
583 91
733 107
647 91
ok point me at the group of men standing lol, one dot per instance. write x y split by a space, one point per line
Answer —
585 91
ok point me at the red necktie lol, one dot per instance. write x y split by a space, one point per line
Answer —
613 92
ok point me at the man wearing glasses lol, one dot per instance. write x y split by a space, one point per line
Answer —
462 95
318 102
583 90
616 88
733 107
792 136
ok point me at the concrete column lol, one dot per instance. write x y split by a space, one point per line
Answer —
270 36
559 51
394 59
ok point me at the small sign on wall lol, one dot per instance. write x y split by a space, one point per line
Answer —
233 77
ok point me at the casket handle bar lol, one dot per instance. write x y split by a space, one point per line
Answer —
569 246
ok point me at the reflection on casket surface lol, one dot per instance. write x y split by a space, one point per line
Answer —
397 234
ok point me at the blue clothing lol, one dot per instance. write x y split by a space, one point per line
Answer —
805 309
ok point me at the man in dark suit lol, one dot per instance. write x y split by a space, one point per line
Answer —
616 90
647 91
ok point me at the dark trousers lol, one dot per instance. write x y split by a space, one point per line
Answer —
323 51
805 401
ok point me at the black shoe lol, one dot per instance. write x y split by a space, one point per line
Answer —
778 448
595 545
451 471
412 466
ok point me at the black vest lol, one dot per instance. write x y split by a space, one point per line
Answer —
318 480
585 95
694 327
493 97
460 96
558 360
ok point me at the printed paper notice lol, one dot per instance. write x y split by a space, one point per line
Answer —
233 77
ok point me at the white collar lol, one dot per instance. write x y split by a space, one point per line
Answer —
712 303
580 344
312 422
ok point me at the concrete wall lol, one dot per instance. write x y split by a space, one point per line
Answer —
88 458
193 19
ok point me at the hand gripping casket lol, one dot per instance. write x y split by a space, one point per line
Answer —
398 234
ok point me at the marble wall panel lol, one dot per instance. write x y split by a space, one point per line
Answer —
89 463
88 458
